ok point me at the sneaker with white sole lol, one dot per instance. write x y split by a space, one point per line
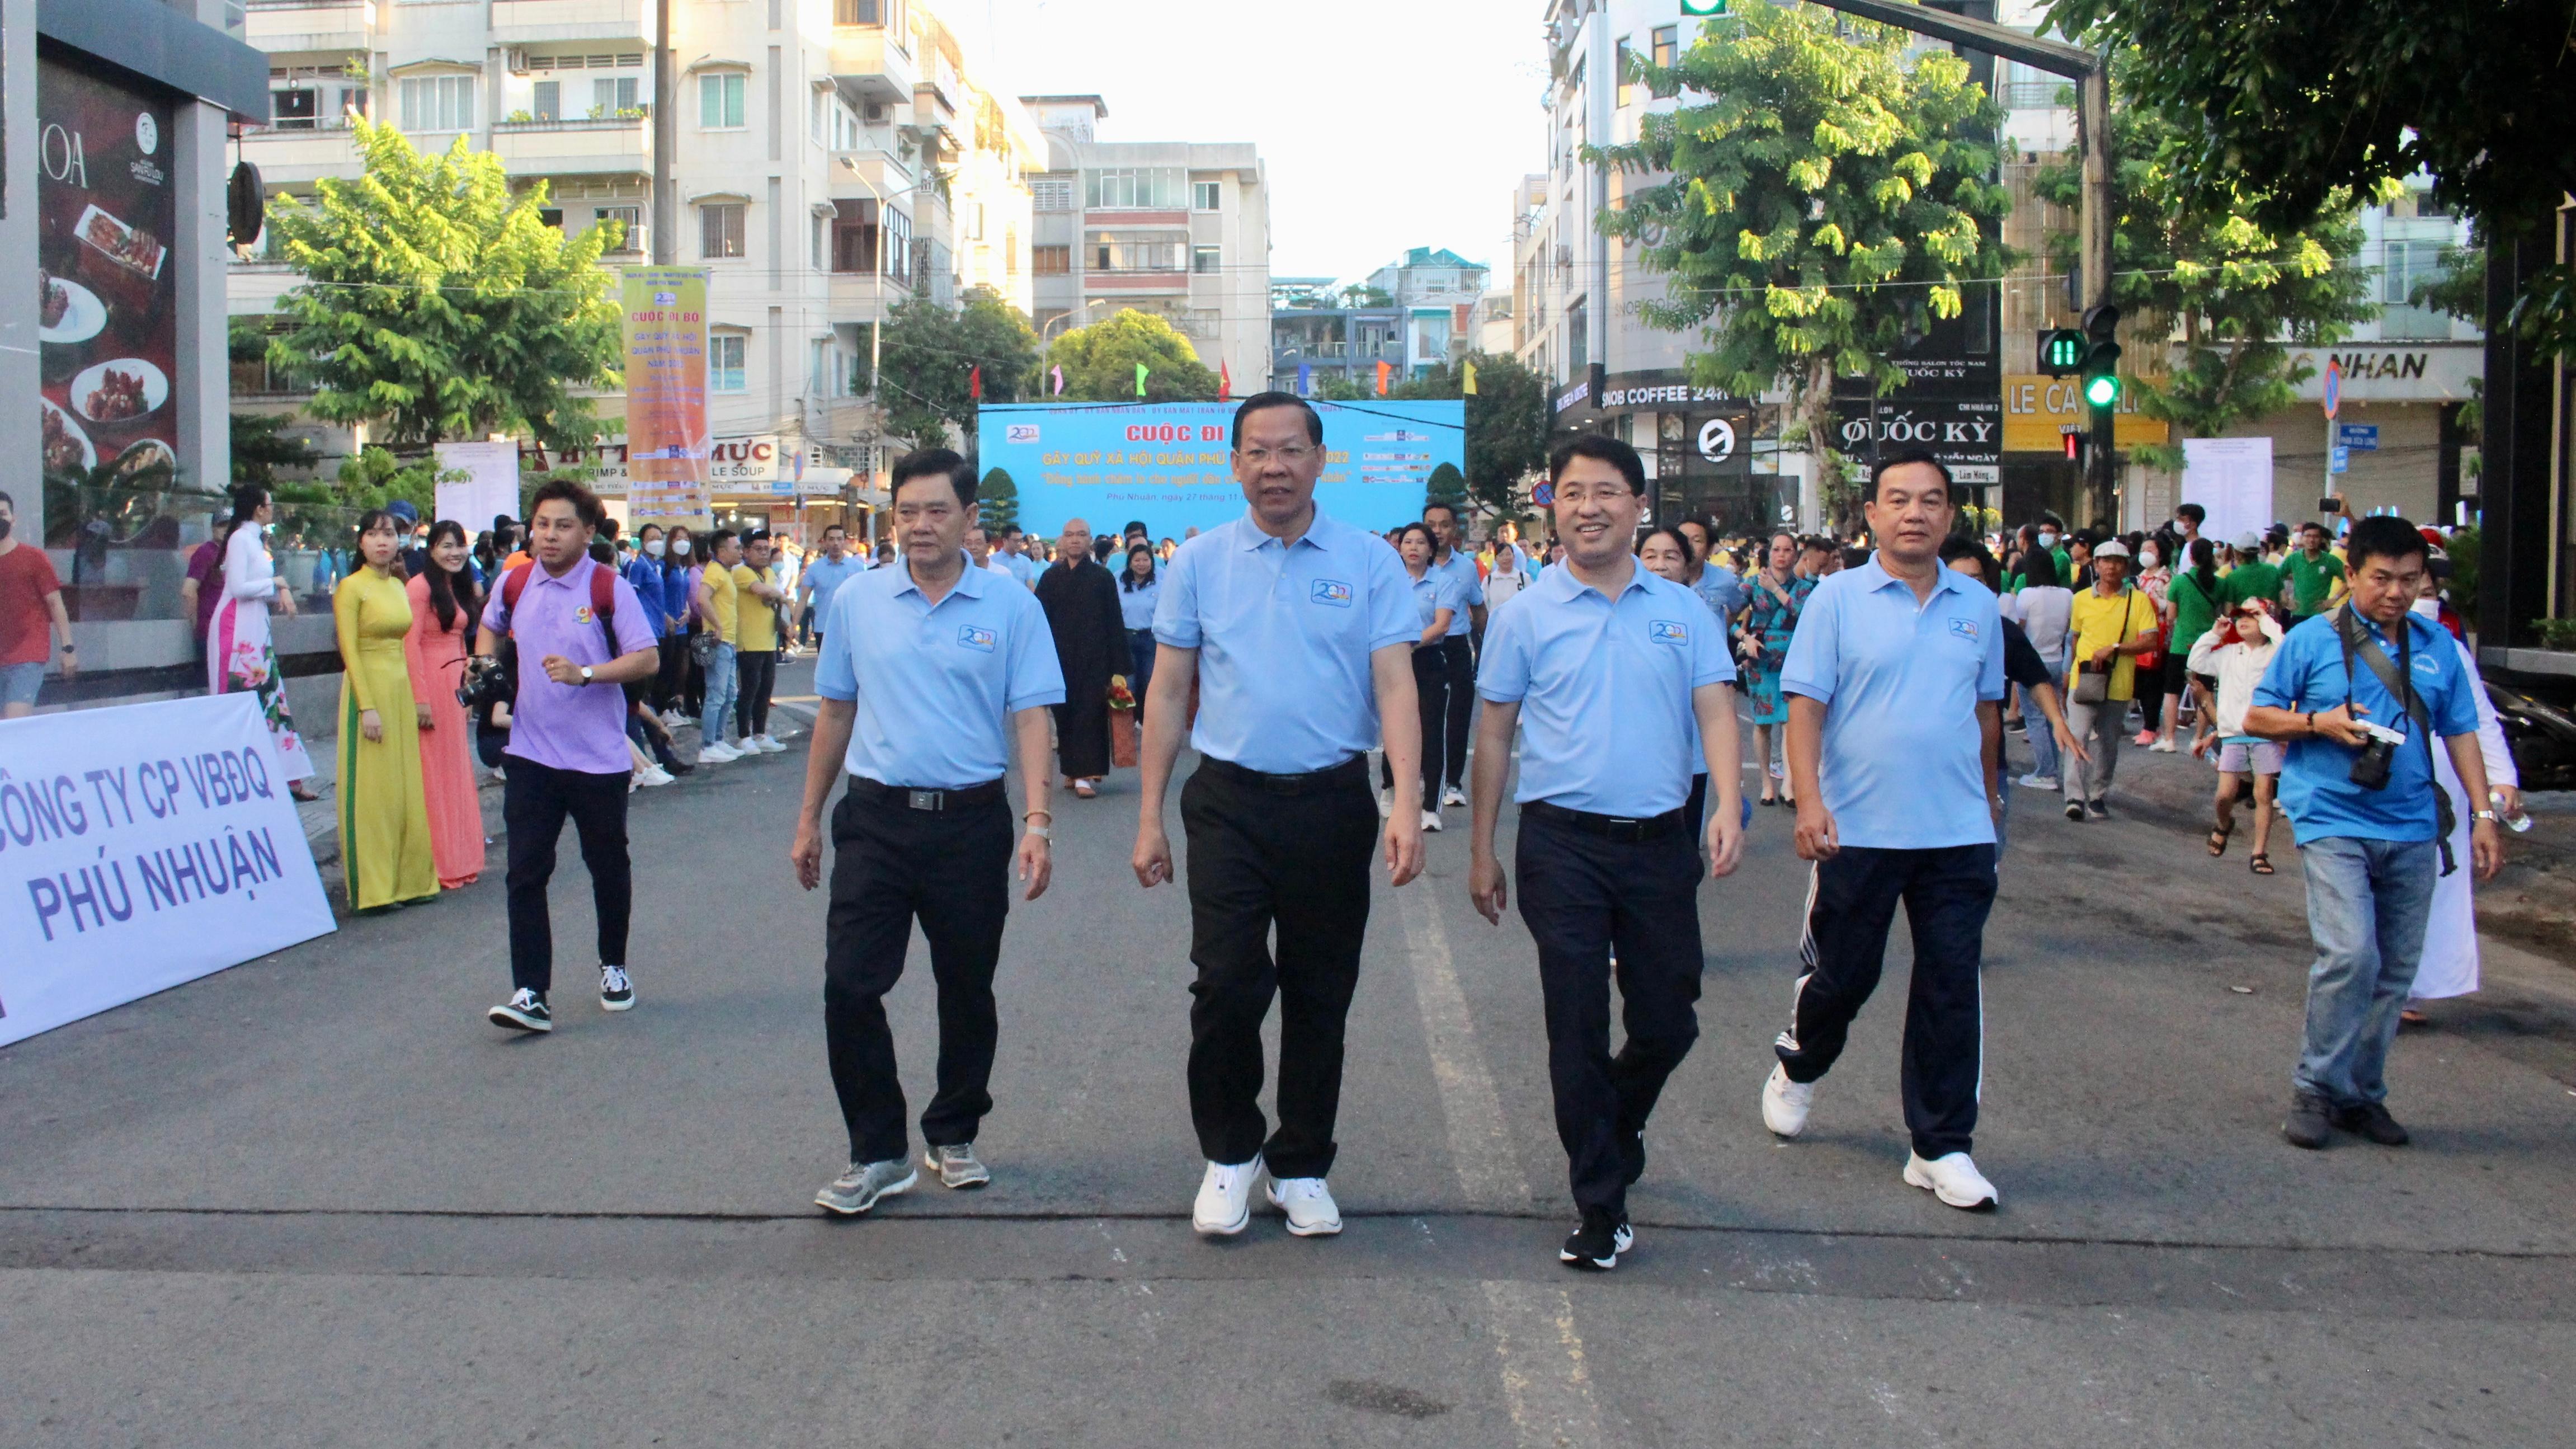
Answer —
865 1183
1595 1246
616 993
2037 781
1452 796
1785 1103
656 775
1309 1204
1385 804
956 1165
524 1011
765 744
1953 1179
672 719
717 753
1431 820
1224 1206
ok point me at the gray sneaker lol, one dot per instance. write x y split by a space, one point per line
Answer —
858 1189
956 1165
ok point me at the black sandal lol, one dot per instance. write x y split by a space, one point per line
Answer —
2218 840
2261 864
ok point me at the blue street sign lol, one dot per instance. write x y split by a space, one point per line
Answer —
2342 460
1544 495
2360 437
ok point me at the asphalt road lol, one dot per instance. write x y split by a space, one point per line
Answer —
317 1200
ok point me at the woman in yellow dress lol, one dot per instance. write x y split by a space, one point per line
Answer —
385 845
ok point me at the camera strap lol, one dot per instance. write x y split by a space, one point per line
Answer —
2398 678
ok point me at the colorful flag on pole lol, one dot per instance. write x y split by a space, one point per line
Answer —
1140 379
1057 372
1467 383
1305 379
975 382
1382 370
1224 382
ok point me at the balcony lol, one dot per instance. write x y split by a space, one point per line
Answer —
297 159
873 64
1130 282
879 177
279 26
527 22
615 146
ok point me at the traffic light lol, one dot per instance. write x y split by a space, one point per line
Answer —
2061 352
2073 442
2101 366
1703 7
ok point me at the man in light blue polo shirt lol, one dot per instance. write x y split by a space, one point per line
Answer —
1617 680
931 672
1299 630
1895 683
1458 650
2369 832
824 574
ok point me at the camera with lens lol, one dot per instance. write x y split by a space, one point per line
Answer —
489 680
2370 768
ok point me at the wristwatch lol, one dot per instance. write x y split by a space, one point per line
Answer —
585 674
2487 815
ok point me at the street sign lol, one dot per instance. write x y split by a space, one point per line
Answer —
2342 460
2334 386
1544 495
2359 437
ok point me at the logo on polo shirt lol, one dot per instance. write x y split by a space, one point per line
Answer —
1333 592
976 636
1965 629
1668 631
581 615
2426 666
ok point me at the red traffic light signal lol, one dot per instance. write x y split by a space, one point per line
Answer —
2073 442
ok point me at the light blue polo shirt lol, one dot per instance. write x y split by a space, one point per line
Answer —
1604 688
1136 605
1471 590
826 577
935 687
2306 674
1903 762
1721 590
1023 568
1284 634
1436 590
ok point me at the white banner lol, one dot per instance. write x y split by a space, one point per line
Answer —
2232 479
490 488
142 847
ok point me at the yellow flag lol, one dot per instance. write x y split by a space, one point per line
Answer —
1468 386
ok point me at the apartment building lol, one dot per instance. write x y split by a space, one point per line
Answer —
833 157
1176 228
1437 289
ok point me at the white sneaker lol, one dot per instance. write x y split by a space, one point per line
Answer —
1453 796
766 745
2039 782
717 753
656 775
1953 1179
2162 747
1224 1206
1431 820
1785 1103
1385 804
1309 1204
672 719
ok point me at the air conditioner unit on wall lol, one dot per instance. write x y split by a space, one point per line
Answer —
876 113
518 62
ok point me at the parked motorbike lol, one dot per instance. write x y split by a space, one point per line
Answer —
2543 738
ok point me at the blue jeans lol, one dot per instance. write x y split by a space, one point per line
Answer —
720 696
2043 741
1140 675
2367 904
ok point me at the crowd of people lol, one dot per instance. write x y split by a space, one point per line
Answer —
1879 677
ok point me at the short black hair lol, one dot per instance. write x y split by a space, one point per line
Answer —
5 498
584 503
1261 401
1818 543
1885 466
2385 537
1443 504
718 539
1416 526
648 528
2193 511
2039 569
751 536
2319 527
922 462
1601 448
1959 545
1008 529
1134 525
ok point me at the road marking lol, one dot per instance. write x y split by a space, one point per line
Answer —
1546 1383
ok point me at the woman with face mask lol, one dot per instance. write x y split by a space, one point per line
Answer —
677 686
2153 579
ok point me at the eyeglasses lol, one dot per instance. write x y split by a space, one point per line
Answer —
1292 456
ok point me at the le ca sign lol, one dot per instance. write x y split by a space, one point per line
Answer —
2039 409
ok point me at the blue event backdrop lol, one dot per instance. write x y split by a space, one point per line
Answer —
1170 464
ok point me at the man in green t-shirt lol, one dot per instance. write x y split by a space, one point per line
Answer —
2252 578
2313 574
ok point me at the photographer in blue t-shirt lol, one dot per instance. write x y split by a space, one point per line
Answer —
2358 693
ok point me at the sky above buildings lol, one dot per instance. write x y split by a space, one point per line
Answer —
1384 124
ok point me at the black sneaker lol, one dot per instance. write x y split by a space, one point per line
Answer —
2309 1122
2371 1121
1595 1247
524 1011
2096 810
616 990
2074 809
1632 1156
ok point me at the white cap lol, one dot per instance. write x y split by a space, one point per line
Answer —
2111 548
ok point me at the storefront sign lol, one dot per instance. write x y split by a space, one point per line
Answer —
2378 372
603 466
1966 434
140 847
2039 410
107 283
668 440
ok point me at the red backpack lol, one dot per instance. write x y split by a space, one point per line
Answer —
603 597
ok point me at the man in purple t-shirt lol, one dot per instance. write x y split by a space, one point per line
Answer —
568 753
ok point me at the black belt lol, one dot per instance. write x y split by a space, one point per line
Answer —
1354 768
1609 827
866 789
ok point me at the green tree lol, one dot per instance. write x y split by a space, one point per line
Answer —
1100 360
2223 296
1823 192
261 446
1506 423
1446 485
2289 103
1366 296
931 353
997 501
436 304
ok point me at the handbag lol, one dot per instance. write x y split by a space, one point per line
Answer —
2092 686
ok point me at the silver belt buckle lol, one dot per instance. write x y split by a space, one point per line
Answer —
923 800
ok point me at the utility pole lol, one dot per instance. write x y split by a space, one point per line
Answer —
666 140
2091 74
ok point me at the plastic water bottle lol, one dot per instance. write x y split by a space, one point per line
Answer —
2519 822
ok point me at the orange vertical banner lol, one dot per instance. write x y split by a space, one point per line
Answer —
668 442
1382 370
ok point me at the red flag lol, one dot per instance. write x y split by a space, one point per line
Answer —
975 382
1224 382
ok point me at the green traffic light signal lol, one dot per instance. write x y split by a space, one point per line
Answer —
2102 390
2061 352
1703 7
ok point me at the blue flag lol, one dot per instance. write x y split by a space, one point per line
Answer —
1305 379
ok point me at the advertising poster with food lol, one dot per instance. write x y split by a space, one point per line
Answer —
668 444
107 320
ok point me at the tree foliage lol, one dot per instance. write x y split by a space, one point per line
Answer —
436 304
1099 361
2193 268
997 502
1506 423
931 352
2289 102
1818 196
261 445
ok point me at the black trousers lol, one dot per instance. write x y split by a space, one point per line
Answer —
1082 735
1259 857
1850 904
534 801
1587 900
673 667
951 870
757 676
1431 683
1459 652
